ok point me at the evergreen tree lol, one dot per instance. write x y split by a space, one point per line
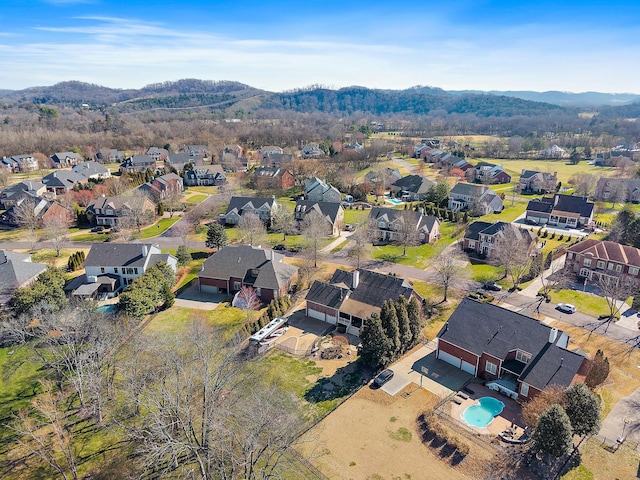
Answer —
183 255
389 321
216 236
406 336
553 433
548 260
599 370
583 409
373 342
415 320
536 266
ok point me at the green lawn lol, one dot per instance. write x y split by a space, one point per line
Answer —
355 217
178 319
154 230
565 170
90 237
201 189
584 302
482 272
509 214
197 198
418 256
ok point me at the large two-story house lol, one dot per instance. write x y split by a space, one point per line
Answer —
164 186
233 267
26 188
138 163
618 189
16 270
110 267
566 211
349 298
317 190
109 155
211 175
111 211
477 199
331 212
390 225
272 178
483 237
238 206
515 354
592 259
489 173
412 187
66 159
532 181
92 170
63 181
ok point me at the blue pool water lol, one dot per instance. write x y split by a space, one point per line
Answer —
482 413
107 308
395 201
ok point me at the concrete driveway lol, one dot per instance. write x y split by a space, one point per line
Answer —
193 298
623 417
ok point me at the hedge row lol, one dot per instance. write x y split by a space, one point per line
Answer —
75 261
276 308
434 434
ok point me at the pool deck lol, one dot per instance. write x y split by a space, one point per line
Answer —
510 415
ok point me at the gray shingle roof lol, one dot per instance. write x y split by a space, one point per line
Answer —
63 179
468 189
117 254
16 269
238 203
326 209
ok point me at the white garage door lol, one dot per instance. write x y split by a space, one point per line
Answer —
208 289
331 319
447 357
468 367
315 314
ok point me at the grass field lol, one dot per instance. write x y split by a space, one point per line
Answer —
159 228
565 170
584 302
196 198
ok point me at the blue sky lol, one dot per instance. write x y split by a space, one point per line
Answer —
278 45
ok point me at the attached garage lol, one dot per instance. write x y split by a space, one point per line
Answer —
315 314
208 289
468 367
447 357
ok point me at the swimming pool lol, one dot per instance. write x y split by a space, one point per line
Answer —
394 201
107 308
482 413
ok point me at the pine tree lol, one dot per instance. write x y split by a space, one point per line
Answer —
553 433
389 321
183 255
415 320
599 370
374 342
216 236
583 410
404 327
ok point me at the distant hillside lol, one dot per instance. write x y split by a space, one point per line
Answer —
584 99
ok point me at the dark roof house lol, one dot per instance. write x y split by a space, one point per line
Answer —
16 270
567 211
413 187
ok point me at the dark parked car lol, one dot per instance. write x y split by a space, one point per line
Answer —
97 229
383 377
280 246
491 285
349 228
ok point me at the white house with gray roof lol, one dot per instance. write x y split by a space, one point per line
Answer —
317 190
477 199
239 206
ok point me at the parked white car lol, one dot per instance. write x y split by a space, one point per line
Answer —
566 308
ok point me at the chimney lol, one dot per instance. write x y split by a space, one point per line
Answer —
144 250
553 335
356 279
272 255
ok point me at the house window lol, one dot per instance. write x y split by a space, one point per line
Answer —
115 269
584 272
618 268
258 291
570 255
135 270
587 262
491 367
633 270
101 269
236 285
381 224
610 266
523 357
600 264
524 390
472 244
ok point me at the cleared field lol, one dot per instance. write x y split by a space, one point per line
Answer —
565 170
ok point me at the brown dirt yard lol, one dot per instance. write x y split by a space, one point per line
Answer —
374 436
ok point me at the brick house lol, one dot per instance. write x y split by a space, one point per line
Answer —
538 182
516 354
482 237
349 298
477 199
165 186
488 173
592 259
110 211
233 267
65 159
567 211
272 178
332 212
618 189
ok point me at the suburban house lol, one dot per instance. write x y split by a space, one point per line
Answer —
110 211
272 178
10 165
177 161
311 151
450 162
12 193
276 160
238 206
110 267
515 354
43 210
21 163
381 180
231 157
16 270
560 210
66 159
63 181
317 190
354 146
592 259
477 199
233 267
488 173
193 150
388 225
92 170
618 189
538 182
482 237
109 155
349 298
332 212
554 151
412 187
165 186
138 163
206 176
157 153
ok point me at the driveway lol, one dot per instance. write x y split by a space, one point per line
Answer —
193 298
623 417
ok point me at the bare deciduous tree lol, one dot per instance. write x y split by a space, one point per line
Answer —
359 244
615 289
56 227
407 230
447 268
247 299
252 228
513 250
26 216
584 183
282 221
315 227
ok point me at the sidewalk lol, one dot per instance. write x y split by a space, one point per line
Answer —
343 237
536 285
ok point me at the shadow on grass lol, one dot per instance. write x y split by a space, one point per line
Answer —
390 257
345 381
